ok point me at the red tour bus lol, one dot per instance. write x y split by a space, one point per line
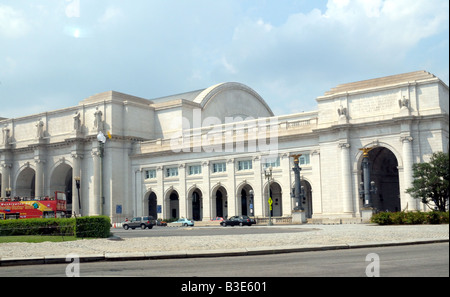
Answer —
32 208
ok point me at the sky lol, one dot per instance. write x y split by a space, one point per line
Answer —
55 53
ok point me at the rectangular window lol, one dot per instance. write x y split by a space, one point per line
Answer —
150 174
219 167
274 163
304 159
172 172
196 169
245 165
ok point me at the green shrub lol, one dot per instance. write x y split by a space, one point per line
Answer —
437 217
96 227
410 218
398 218
382 218
415 218
61 227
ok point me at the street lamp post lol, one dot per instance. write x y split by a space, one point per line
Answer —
252 196
101 141
367 187
77 183
298 193
268 174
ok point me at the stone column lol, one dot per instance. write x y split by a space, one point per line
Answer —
39 180
185 204
161 199
258 198
346 181
317 185
95 200
231 199
207 199
6 169
407 170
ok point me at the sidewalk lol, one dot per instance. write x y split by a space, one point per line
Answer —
314 237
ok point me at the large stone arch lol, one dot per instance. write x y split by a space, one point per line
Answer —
61 180
219 201
195 203
25 182
384 171
171 204
276 193
245 205
359 156
150 204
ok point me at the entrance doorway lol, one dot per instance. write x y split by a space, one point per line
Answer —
25 185
197 205
152 205
307 203
221 203
246 205
384 172
172 205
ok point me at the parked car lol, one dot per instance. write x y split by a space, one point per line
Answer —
238 220
140 222
217 219
161 223
184 222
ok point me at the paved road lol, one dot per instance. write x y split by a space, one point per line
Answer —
417 260
204 231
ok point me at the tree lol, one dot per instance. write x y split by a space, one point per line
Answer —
431 181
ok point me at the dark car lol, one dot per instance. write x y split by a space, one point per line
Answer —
140 222
237 220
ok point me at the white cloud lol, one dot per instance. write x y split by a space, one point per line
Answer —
228 67
12 22
110 14
312 49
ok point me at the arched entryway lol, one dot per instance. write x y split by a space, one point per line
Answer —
307 200
384 172
246 201
276 194
61 181
220 203
25 183
195 204
172 205
152 205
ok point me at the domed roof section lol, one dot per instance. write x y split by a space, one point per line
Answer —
232 99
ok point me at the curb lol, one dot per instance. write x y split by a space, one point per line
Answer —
206 254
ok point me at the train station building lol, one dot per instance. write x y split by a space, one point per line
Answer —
206 153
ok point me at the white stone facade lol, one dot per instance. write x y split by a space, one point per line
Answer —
200 154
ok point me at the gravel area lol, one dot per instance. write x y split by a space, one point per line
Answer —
316 235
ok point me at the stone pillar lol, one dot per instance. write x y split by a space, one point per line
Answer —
317 185
95 200
6 169
346 181
232 198
39 180
206 194
258 197
407 170
185 203
161 199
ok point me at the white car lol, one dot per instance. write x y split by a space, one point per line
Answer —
184 222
